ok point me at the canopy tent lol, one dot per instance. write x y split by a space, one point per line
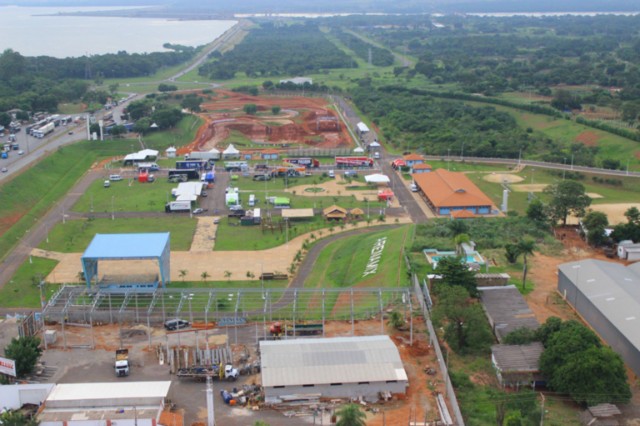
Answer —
215 151
377 178
231 150
374 144
358 149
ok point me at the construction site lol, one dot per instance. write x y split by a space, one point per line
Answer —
83 329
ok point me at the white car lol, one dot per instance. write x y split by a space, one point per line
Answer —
21 152
198 211
235 207
413 187
5 170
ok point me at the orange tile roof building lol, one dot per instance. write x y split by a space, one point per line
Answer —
413 159
452 193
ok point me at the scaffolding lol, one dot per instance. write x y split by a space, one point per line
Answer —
79 305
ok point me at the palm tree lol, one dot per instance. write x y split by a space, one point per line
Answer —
350 415
227 275
204 277
525 247
457 227
460 239
182 273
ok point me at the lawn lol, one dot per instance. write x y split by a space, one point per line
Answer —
22 290
125 196
343 263
75 235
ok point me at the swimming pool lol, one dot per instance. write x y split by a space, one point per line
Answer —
434 256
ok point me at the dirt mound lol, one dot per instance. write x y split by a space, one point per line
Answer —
502 177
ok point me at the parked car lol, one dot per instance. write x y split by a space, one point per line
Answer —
176 324
115 177
414 187
262 177
235 207
5 170
216 221
198 211
332 174
350 173
21 152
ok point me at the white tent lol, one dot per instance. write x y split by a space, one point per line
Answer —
374 144
377 178
215 151
231 150
358 149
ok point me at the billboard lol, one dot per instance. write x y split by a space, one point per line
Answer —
7 366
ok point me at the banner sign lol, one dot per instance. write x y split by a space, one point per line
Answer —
7 366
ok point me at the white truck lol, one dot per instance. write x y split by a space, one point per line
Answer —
44 130
148 166
122 362
203 155
177 206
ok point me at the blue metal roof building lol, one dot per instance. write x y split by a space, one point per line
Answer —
128 247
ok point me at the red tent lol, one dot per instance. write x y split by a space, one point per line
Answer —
385 195
143 177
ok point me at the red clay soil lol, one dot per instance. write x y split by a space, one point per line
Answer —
305 122
588 138
7 222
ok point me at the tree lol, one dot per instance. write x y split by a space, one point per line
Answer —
633 215
457 227
455 272
25 351
162 87
5 119
227 275
595 223
250 109
520 336
191 102
511 253
536 211
546 330
182 273
276 109
465 327
17 418
567 197
113 88
350 415
607 377
267 85
525 247
396 320
565 100
204 277
459 240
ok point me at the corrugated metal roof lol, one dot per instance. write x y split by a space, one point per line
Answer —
332 360
507 310
121 246
103 391
517 358
613 289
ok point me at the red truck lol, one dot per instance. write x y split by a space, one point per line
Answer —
350 162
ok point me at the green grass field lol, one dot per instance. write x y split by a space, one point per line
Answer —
342 263
22 290
75 235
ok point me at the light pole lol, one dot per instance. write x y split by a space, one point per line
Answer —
571 161
532 170
112 210
462 152
564 167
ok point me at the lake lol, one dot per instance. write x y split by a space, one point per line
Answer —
28 31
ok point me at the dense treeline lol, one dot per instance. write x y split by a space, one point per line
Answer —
275 51
379 57
490 55
41 83
411 119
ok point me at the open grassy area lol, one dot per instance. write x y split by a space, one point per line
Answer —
343 263
75 235
28 196
125 196
22 290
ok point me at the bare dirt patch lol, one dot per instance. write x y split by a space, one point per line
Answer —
615 212
527 187
502 178
304 122
588 138
594 195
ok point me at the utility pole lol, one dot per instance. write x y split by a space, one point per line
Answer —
542 410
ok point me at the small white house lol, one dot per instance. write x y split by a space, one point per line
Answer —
628 250
300 81
171 152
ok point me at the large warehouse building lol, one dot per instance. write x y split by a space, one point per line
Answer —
607 296
338 367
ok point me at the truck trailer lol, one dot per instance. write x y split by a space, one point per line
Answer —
177 207
303 161
277 330
122 362
191 174
193 164
215 372
44 130
203 155
351 162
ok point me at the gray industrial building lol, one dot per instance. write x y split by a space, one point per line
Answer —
338 367
607 296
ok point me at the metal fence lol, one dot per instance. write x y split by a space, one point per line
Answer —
433 338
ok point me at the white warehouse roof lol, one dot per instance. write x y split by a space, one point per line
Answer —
332 360
120 391
141 155
362 128
189 189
